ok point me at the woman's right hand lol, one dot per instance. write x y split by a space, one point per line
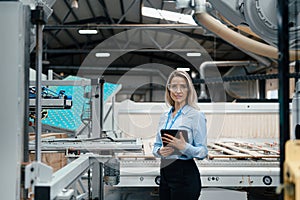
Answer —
166 151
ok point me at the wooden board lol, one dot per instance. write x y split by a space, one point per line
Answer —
237 151
56 160
252 153
45 135
263 149
228 151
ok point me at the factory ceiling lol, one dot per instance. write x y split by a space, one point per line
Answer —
65 50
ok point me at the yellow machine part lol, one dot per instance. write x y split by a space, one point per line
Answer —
292 170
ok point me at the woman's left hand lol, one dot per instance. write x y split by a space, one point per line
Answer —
178 143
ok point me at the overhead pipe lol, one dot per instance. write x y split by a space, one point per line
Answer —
260 59
235 38
208 64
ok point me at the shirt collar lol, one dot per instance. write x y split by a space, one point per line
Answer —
185 109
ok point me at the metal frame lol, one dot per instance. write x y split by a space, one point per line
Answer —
98 144
52 103
258 167
283 81
136 108
66 104
210 176
58 185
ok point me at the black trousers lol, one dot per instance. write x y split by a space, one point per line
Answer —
180 180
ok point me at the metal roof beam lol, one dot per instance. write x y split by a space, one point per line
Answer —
86 51
71 9
54 35
55 38
90 8
67 31
125 13
141 16
103 4
122 26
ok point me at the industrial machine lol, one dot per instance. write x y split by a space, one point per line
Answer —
243 157
242 141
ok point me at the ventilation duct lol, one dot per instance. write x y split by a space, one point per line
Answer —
237 39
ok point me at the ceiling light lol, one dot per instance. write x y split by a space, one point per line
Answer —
74 4
168 15
102 55
87 31
186 69
193 54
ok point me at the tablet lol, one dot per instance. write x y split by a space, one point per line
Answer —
175 133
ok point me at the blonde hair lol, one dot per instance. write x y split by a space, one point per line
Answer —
192 98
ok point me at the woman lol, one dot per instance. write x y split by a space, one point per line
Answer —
180 177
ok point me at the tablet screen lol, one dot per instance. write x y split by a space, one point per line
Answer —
175 133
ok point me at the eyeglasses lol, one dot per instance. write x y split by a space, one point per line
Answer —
175 87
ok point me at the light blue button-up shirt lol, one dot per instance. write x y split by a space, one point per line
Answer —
194 122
